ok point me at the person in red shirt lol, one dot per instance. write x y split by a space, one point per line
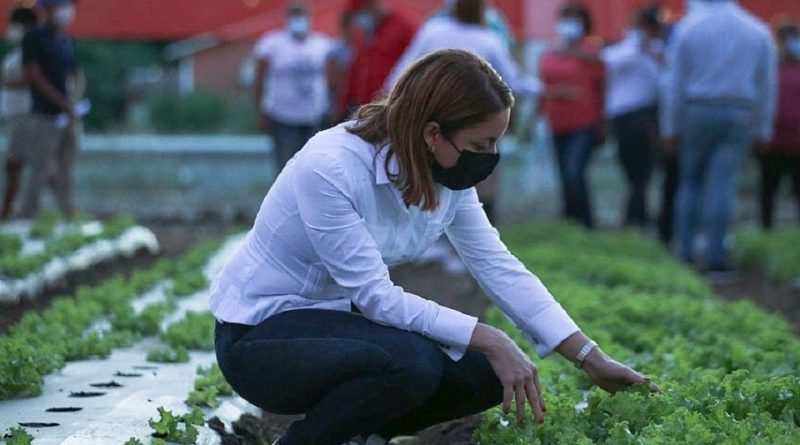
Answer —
783 154
574 75
383 38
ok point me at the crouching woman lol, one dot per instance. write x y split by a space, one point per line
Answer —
308 320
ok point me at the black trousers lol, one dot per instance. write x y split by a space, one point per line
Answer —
350 376
774 165
636 133
669 189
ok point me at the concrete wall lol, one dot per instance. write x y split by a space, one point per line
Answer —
172 177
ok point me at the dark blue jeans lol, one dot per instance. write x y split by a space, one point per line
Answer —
713 140
636 133
289 139
573 151
350 376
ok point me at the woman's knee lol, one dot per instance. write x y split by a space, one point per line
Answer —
419 368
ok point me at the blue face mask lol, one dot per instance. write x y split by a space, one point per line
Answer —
298 26
570 29
793 47
365 21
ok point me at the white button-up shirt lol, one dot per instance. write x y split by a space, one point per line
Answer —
632 77
333 223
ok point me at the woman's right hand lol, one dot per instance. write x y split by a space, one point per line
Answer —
515 370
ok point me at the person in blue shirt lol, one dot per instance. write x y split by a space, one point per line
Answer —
51 69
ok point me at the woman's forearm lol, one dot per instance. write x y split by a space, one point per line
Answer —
570 347
484 338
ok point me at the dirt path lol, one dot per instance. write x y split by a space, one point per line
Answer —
783 300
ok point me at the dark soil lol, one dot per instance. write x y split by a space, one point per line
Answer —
783 300
175 238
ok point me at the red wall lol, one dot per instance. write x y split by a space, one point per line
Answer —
178 19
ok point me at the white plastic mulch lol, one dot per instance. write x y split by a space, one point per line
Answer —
122 413
132 240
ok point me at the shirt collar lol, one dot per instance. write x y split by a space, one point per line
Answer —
381 176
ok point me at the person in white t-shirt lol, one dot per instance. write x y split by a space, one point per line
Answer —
15 106
308 318
290 87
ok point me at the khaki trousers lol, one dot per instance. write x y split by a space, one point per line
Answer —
52 156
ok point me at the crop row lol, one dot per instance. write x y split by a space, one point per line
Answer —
93 321
776 253
29 263
728 370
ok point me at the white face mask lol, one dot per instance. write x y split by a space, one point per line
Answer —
793 47
365 21
298 26
570 29
64 15
15 33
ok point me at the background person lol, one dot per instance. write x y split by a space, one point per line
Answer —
466 29
782 155
291 89
383 36
309 320
56 83
715 106
15 106
340 60
573 75
632 68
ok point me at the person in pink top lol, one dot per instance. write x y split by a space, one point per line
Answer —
783 154
574 75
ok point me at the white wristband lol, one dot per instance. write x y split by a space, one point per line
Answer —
585 350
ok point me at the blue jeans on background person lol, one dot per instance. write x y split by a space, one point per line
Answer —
350 376
288 139
636 133
713 141
573 152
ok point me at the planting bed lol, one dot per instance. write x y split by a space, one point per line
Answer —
108 396
728 370
40 254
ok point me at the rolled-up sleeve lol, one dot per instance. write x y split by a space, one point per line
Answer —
515 290
351 256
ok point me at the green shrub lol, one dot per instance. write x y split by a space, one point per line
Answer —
199 112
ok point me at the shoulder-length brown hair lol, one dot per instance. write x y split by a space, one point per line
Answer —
454 88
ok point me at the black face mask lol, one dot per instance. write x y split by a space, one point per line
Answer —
470 169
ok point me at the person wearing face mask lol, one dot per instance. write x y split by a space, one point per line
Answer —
15 106
782 155
574 78
56 84
466 29
713 108
632 68
382 37
291 89
308 319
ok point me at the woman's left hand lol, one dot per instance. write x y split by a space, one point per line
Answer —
612 375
